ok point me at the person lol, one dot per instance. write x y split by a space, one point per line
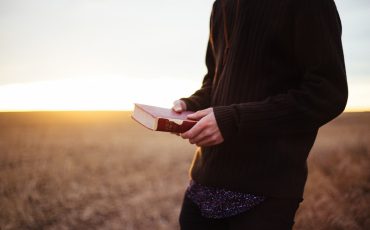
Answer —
276 74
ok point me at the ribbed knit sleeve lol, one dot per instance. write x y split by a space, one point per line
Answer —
322 94
201 99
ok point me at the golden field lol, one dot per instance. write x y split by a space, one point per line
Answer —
101 170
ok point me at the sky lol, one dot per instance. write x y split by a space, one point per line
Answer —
108 54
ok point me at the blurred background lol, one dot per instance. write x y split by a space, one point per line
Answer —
107 54
62 168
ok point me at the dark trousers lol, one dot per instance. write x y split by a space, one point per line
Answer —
272 214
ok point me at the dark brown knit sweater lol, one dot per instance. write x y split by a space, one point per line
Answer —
280 79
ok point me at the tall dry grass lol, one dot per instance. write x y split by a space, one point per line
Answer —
100 170
337 194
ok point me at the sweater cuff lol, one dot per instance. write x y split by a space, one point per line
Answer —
226 120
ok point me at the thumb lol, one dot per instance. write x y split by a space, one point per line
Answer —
198 115
179 106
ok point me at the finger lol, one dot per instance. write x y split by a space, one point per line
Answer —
199 114
205 134
208 141
179 106
193 132
205 143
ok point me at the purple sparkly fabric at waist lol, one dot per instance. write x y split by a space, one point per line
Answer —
220 203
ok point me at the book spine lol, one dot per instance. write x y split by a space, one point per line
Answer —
166 125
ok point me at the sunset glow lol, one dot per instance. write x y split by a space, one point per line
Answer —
118 93
107 55
113 93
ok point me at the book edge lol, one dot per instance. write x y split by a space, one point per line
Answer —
142 107
142 123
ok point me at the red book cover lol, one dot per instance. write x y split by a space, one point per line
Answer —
162 119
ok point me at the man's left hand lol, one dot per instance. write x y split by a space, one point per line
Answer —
206 132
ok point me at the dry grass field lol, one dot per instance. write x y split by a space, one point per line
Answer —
100 170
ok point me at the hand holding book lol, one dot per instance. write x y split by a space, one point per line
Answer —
206 132
199 127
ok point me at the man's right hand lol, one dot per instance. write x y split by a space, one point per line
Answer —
179 106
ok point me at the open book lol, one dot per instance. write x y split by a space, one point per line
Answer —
162 119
